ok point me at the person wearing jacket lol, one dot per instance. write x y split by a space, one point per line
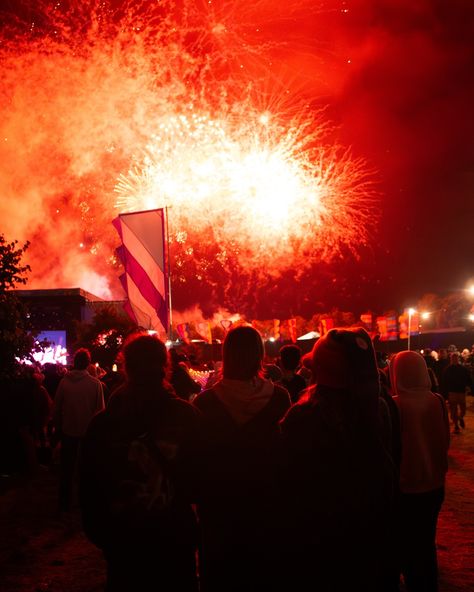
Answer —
340 471
133 497
455 379
425 442
238 462
78 398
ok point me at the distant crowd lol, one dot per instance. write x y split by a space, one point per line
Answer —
322 471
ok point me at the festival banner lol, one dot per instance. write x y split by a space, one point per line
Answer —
183 332
403 326
142 254
325 325
405 321
276 329
415 323
368 321
292 329
392 329
382 328
226 324
204 330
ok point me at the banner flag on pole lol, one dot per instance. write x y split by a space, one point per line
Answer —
276 329
226 324
325 325
403 324
142 254
382 328
392 329
367 319
292 329
183 332
204 330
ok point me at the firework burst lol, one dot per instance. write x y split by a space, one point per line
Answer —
179 104
268 192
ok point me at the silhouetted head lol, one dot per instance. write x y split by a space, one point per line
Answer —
344 358
145 359
409 373
242 353
272 372
290 357
453 359
82 359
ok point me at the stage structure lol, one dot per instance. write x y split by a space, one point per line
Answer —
146 277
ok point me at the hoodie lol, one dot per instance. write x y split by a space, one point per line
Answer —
244 399
78 398
424 425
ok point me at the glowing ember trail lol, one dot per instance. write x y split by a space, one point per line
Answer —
186 105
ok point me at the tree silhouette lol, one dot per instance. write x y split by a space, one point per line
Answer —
16 342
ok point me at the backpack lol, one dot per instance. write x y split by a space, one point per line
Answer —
144 491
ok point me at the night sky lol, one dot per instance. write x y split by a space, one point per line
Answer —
397 79
407 105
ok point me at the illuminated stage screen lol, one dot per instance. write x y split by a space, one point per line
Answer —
56 352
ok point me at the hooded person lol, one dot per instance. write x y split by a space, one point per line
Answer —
238 461
340 472
424 463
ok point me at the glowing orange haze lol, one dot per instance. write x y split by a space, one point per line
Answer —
104 112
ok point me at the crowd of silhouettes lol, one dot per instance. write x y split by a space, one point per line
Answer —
322 471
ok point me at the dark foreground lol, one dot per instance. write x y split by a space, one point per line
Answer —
41 553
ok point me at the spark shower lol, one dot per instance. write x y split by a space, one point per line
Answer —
110 107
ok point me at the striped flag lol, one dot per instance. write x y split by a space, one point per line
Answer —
183 332
143 257
392 329
204 330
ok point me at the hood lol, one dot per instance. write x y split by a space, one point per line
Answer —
243 399
409 373
77 375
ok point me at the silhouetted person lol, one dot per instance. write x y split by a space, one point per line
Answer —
290 359
52 377
455 380
133 503
185 387
98 373
340 475
441 364
78 398
238 464
425 442
430 361
112 380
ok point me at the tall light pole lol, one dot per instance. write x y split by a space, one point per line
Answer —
411 311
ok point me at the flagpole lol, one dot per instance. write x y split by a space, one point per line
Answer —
170 312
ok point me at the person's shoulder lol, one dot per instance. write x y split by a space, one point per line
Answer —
97 424
297 413
204 399
281 394
300 378
182 407
92 379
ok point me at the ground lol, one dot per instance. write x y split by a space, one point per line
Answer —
40 553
